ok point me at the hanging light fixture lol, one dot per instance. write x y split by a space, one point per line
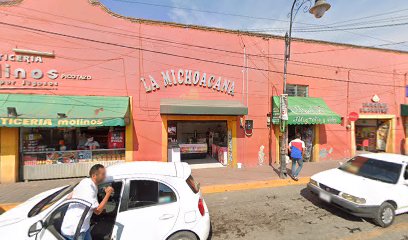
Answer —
12 112
61 115
319 8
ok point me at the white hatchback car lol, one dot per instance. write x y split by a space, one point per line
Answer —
151 200
370 186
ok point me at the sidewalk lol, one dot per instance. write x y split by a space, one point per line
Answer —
212 180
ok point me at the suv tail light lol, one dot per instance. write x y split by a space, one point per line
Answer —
201 206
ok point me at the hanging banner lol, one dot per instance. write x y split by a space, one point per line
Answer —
284 107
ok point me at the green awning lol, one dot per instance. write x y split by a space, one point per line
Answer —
62 111
306 110
202 107
404 109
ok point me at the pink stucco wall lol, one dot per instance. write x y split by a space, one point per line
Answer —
117 52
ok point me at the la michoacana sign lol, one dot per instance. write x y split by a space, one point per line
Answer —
187 77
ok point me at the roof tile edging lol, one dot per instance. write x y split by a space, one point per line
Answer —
221 30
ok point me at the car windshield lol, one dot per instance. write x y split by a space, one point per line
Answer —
383 171
50 200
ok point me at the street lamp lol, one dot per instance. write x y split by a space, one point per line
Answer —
318 10
320 7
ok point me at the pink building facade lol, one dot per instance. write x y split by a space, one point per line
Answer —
224 76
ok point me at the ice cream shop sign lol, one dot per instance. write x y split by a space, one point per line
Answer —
22 77
173 78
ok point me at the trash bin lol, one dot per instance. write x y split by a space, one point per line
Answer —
173 152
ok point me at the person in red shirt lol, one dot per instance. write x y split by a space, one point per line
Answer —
296 150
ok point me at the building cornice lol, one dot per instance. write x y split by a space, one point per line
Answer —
246 33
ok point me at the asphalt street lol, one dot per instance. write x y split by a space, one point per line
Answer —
290 213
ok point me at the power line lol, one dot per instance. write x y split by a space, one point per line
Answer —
229 51
209 11
332 26
335 28
358 28
188 57
359 34
370 16
239 15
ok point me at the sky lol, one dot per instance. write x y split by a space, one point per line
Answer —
374 23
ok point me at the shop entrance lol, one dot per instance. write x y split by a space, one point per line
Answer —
371 135
307 133
201 143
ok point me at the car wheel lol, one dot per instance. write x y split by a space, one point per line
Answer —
183 236
385 216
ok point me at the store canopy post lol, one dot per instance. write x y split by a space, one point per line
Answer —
22 110
306 110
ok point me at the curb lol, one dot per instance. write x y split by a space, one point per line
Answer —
253 185
221 188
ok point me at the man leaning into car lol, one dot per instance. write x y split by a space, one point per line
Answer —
86 190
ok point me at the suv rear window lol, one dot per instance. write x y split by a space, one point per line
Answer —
194 186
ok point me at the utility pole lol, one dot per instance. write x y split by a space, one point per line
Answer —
318 10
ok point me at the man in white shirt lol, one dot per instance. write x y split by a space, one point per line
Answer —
91 143
86 190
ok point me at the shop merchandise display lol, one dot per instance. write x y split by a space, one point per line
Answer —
61 146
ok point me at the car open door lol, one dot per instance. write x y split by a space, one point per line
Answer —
50 227
150 211
103 224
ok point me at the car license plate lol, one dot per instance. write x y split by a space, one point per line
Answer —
325 196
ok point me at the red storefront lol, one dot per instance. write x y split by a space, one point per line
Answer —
209 90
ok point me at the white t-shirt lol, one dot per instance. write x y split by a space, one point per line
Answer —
86 190
91 144
296 142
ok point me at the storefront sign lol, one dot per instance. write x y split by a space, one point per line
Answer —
49 122
315 120
303 110
374 107
284 107
189 78
116 139
353 116
20 77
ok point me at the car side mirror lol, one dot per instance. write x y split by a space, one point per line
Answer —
35 228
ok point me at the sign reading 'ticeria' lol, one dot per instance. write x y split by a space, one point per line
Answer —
49 122
189 78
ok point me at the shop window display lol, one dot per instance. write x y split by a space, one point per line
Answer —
200 141
372 134
42 146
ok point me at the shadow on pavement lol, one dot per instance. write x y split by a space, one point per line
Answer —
277 170
308 195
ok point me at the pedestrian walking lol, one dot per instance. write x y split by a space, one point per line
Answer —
86 190
296 149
